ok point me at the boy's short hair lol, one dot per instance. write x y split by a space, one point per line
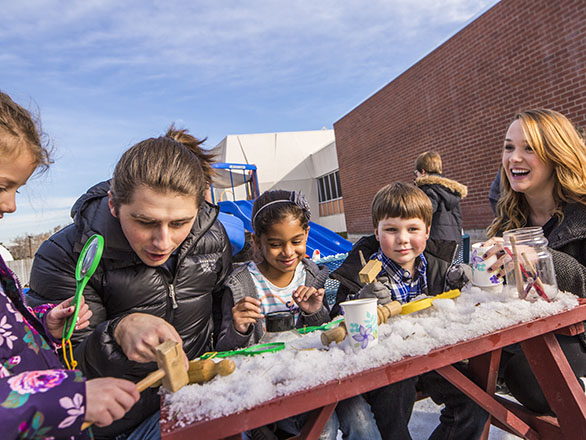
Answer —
401 200
430 162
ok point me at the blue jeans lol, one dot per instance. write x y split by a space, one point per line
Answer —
392 405
352 416
149 429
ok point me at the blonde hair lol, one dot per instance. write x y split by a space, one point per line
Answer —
401 200
555 141
19 129
430 162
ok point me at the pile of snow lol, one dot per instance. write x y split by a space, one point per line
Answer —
305 362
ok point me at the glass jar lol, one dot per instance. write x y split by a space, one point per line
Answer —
528 264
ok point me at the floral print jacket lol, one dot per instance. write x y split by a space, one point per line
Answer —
38 398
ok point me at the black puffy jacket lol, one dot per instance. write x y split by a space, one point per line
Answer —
123 284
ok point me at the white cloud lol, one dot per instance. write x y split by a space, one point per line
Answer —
234 41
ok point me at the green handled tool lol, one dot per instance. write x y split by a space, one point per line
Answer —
87 263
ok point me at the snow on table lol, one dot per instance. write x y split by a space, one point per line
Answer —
306 363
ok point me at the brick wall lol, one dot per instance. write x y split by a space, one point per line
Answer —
459 101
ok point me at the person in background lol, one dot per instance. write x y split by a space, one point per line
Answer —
284 280
543 179
38 397
494 192
412 265
445 196
162 271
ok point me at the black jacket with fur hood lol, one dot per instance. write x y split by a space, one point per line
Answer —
123 284
445 196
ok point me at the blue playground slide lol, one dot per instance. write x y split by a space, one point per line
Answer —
328 242
235 230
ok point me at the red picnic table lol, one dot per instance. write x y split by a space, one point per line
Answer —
536 338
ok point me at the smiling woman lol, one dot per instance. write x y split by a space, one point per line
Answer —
544 185
164 262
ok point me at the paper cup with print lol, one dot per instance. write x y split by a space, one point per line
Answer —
481 277
361 322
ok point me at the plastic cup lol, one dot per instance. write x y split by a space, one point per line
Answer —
361 322
480 275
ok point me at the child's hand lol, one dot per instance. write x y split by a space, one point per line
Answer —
56 317
309 299
245 312
108 399
376 290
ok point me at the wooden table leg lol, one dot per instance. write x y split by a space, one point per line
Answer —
316 422
498 411
483 370
559 384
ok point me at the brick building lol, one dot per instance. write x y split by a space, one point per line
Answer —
459 100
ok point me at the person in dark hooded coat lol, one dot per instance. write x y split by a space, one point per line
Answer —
445 195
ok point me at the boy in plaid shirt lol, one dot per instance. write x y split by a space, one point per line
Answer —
411 265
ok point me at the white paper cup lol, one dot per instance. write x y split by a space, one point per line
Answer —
361 322
480 275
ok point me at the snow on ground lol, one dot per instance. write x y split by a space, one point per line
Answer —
425 418
306 363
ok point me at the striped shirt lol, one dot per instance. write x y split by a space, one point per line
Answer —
404 287
277 299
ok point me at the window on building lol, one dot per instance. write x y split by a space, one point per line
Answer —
330 194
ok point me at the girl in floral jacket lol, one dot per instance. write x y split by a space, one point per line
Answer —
38 397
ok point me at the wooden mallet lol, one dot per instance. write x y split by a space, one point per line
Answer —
171 370
204 370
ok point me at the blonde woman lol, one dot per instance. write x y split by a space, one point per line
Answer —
544 184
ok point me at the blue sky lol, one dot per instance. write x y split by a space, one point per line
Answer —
105 74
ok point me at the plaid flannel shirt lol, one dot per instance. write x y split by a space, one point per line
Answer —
404 287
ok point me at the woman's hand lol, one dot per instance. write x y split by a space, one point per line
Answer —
55 320
108 399
245 312
504 263
496 247
309 299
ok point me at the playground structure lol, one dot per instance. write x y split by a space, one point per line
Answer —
237 186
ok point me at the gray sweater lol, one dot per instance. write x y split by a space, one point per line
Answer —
240 284
567 242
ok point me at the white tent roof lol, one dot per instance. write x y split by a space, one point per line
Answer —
278 156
